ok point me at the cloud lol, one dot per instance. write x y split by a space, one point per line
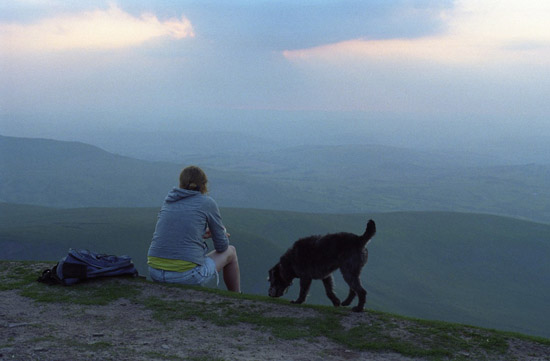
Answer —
477 32
91 30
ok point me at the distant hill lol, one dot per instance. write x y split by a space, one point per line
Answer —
325 179
71 174
469 268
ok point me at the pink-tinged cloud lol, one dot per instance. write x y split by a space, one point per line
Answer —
478 32
93 30
426 49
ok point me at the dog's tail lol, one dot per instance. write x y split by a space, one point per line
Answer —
369 232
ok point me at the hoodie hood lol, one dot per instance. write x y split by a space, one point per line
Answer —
177 194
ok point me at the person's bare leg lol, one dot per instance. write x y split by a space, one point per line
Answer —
228 262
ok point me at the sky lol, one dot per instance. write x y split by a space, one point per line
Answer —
463 64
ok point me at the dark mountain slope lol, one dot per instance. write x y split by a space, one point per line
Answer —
469 268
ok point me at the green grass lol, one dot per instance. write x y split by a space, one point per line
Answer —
91 293
17 277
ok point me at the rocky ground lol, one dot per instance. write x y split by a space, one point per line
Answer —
158 322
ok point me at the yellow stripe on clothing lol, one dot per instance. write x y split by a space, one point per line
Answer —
175 265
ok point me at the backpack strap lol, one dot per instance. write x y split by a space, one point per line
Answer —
49 276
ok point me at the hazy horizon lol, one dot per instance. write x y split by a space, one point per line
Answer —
209 132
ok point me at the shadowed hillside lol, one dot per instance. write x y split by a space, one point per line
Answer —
477 269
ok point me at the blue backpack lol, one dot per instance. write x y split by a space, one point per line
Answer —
81 265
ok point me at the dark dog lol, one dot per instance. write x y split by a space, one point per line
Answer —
316 257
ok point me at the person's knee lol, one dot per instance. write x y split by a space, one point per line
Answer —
232 252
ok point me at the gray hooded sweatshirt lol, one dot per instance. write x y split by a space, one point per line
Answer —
181 223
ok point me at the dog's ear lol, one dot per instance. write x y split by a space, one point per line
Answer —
282 273
275 273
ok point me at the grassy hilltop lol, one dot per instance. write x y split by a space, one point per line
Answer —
130 318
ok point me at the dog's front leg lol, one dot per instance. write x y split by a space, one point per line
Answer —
305 283
328 282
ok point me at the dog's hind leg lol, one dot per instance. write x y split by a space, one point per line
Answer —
361 293
328 282
351 276
305 283
351 296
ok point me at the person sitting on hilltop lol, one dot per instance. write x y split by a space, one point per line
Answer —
178 251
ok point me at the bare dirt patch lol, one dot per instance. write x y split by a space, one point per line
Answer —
126 330
162 322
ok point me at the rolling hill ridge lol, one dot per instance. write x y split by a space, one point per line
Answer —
324 179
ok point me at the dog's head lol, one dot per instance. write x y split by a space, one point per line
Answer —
278 283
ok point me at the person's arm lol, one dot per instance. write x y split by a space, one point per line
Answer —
207 234
216 228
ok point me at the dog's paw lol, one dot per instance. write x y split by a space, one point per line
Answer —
297 302
346 303
336 303
357 309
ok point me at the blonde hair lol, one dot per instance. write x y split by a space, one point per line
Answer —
193 178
